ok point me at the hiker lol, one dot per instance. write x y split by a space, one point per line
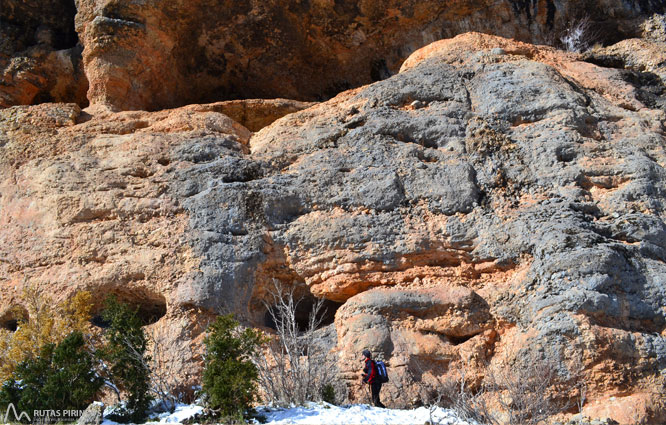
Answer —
371 377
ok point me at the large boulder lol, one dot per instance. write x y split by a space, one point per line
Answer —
493 204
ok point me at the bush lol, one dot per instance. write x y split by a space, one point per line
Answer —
526 395
230 377
45 323
125 360
579 36
62 377
328 394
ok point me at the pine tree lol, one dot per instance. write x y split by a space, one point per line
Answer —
61 377
125 355
73 381
230 377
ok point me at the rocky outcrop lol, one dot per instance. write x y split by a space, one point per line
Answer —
495 203
501 167
151 55
93 415
88 203
635 54
84 206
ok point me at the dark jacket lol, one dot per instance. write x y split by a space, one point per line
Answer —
370 372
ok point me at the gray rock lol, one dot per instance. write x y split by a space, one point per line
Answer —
538 196
93 415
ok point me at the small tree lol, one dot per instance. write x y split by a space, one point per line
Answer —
61 377
124 359
230 377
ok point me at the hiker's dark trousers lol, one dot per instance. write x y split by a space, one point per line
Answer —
376 387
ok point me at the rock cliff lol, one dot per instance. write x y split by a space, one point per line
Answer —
153 54
494 203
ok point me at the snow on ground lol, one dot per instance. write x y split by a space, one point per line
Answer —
328 414
180 414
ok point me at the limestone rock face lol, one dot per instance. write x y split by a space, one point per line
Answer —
494 203
95 202
151 55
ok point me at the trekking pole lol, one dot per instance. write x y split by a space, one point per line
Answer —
367 389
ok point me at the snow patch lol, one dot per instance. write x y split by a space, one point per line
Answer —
182 413
325 414
328 414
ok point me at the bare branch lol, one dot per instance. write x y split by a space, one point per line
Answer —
294 367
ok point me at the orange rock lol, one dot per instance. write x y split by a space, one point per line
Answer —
150 56
492 207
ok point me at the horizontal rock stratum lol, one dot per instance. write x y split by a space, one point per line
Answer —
494 203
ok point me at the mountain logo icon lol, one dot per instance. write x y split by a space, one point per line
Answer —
17 417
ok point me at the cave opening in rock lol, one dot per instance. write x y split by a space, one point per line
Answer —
98 321
10 325
10 320
303 310
457 340
64 36
150 307
27 24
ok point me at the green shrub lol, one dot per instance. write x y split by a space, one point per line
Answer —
61 377
126 359
230 377
328 394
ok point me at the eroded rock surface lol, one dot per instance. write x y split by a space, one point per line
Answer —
493 203
151 55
